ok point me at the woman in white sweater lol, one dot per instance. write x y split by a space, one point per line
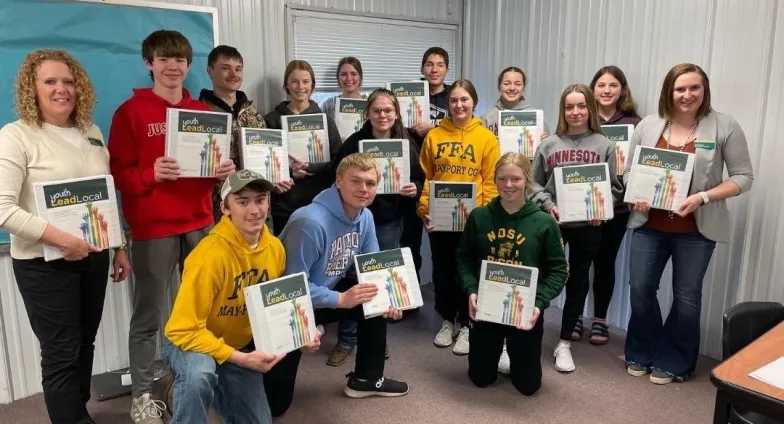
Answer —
55 139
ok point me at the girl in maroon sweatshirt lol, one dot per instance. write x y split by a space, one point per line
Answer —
616 107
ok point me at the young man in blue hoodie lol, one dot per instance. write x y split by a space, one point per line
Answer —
321 240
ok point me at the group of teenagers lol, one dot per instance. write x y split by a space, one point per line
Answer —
238 229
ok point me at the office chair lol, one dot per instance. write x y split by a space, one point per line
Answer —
743 323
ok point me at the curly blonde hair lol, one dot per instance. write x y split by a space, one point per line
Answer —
25 92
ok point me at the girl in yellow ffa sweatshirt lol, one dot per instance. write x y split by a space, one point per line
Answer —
460 149
209 315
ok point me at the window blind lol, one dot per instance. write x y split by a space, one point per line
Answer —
389 49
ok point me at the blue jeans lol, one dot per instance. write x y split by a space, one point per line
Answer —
388 238
672 347
199 383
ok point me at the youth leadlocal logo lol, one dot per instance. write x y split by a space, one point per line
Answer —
209 124
513 300
94 228
272 166
390 171
394 283
299 323
525 139
618 134
413 109
397 289
594 198
315 145
459 211
665 187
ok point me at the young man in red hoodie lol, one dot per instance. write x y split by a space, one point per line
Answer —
167 215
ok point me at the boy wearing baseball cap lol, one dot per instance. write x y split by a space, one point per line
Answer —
209 343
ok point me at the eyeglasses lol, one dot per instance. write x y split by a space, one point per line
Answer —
379 112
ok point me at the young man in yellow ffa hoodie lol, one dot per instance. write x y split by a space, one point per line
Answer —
209 343
460 149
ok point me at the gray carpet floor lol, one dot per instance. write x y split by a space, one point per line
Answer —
598 391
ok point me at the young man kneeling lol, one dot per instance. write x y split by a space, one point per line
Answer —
321 240
209 344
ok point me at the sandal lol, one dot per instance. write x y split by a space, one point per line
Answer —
599 333
577 333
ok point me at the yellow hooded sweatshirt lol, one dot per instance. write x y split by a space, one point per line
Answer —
460 154
209 315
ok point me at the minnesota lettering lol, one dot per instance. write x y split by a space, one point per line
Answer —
572 156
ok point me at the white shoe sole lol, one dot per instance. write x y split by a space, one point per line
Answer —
635 373
565 370
660 381
356 394
460 352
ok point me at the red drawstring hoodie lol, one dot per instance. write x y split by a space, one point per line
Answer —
136 139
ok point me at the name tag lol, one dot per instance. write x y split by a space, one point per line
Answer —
95 141
705 144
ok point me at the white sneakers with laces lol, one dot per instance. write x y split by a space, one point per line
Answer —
461 345
563 357
445 336
146 410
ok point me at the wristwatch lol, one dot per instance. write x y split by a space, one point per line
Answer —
705 198
121 247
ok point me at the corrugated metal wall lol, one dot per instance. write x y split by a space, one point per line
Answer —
559 42
257 29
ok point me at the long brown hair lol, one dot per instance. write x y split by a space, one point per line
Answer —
665 98
590 102
625 103
26 97
298 65
398 130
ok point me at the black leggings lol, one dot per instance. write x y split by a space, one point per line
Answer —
604 263
524 349
450 299
583 243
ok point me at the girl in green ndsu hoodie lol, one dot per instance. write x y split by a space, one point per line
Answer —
512 230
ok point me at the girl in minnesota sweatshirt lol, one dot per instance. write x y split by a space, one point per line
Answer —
577 140
512 82
459 149
515 231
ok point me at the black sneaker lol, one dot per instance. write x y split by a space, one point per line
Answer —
385 387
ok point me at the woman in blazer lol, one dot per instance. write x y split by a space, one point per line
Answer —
688 235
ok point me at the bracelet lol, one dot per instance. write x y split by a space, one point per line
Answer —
705 198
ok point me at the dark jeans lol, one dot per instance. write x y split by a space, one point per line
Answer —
524 349
388 236
64 302
613 232
450 299
583 244
673 346
369 362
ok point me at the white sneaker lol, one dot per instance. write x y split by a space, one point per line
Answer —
445 335
563 357
146 410
503 362
461 345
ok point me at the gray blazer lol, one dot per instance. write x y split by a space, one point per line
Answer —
730 148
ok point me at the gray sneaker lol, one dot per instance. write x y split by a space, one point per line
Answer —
146 410
636 370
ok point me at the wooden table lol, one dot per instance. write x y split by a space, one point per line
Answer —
735 387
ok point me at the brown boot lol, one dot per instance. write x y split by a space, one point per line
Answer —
338 356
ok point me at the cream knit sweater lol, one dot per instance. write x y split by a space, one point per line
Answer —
29 155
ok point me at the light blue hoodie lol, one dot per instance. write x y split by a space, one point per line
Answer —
321 241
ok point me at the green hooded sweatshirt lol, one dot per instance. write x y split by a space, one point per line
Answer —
528 237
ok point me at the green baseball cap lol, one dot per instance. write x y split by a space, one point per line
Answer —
237 180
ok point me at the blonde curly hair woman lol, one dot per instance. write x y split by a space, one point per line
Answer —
55 139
